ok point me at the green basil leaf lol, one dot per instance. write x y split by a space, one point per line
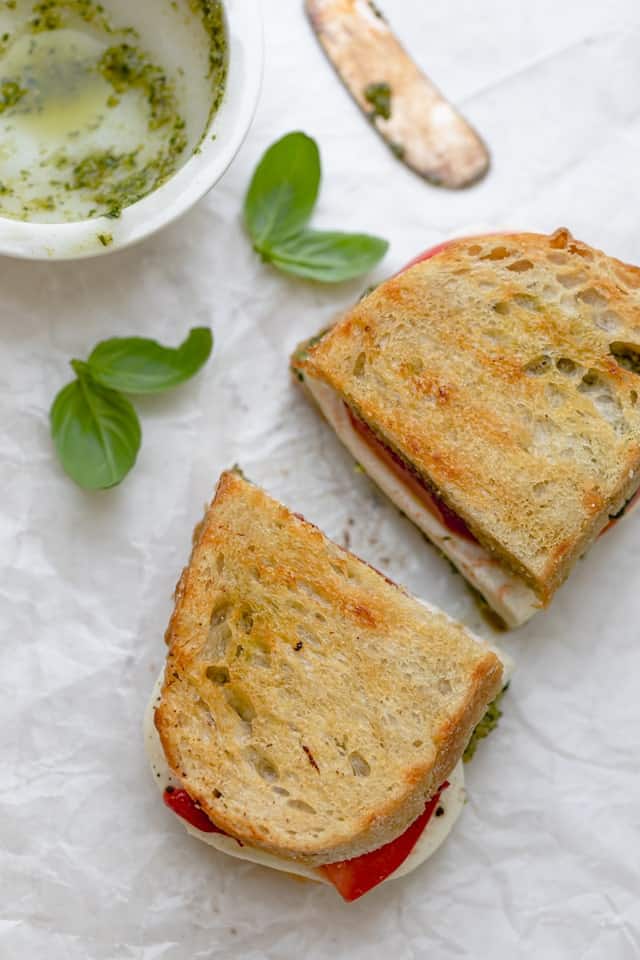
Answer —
138 365
328 256
283 191
96 432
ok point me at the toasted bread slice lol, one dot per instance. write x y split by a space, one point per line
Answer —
310 706
505 372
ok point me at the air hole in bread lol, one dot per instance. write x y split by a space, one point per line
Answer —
220 613
262 765
444 686
358 367
593 297
627 355
215 646
474 250
502 308
573 279
301 805
566 365
538 365
549 293
526 301
520 266
418 743
246 621
240 703
359 765
280 791
485 285
633 397
498 253
220 562
217 673
608 320
540 489
594 385
560 259
255 573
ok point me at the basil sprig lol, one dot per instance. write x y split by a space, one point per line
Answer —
278 207
95 429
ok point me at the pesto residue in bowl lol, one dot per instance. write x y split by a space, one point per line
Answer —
90 122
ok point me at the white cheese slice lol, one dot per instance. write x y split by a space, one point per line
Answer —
434 834
507 593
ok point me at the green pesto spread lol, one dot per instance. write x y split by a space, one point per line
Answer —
10 94
488 723
301 352
107 120
378 95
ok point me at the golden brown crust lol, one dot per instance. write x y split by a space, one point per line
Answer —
501 370
309 705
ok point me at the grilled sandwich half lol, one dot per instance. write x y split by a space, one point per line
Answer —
312 715
491 390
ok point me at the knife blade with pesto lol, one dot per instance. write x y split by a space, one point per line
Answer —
419 125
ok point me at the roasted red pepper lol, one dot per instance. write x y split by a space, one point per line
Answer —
181 803
353 878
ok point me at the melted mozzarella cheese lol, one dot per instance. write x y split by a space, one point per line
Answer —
507 593
436 831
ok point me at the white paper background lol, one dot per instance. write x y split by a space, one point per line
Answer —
545 860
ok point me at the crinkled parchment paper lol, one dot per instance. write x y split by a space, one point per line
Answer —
545 861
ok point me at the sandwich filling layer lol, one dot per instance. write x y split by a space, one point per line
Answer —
437 824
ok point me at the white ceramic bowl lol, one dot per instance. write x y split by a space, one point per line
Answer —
224 136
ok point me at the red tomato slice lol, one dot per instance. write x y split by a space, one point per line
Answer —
181 803
353 878
429 253
430 500
442 246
